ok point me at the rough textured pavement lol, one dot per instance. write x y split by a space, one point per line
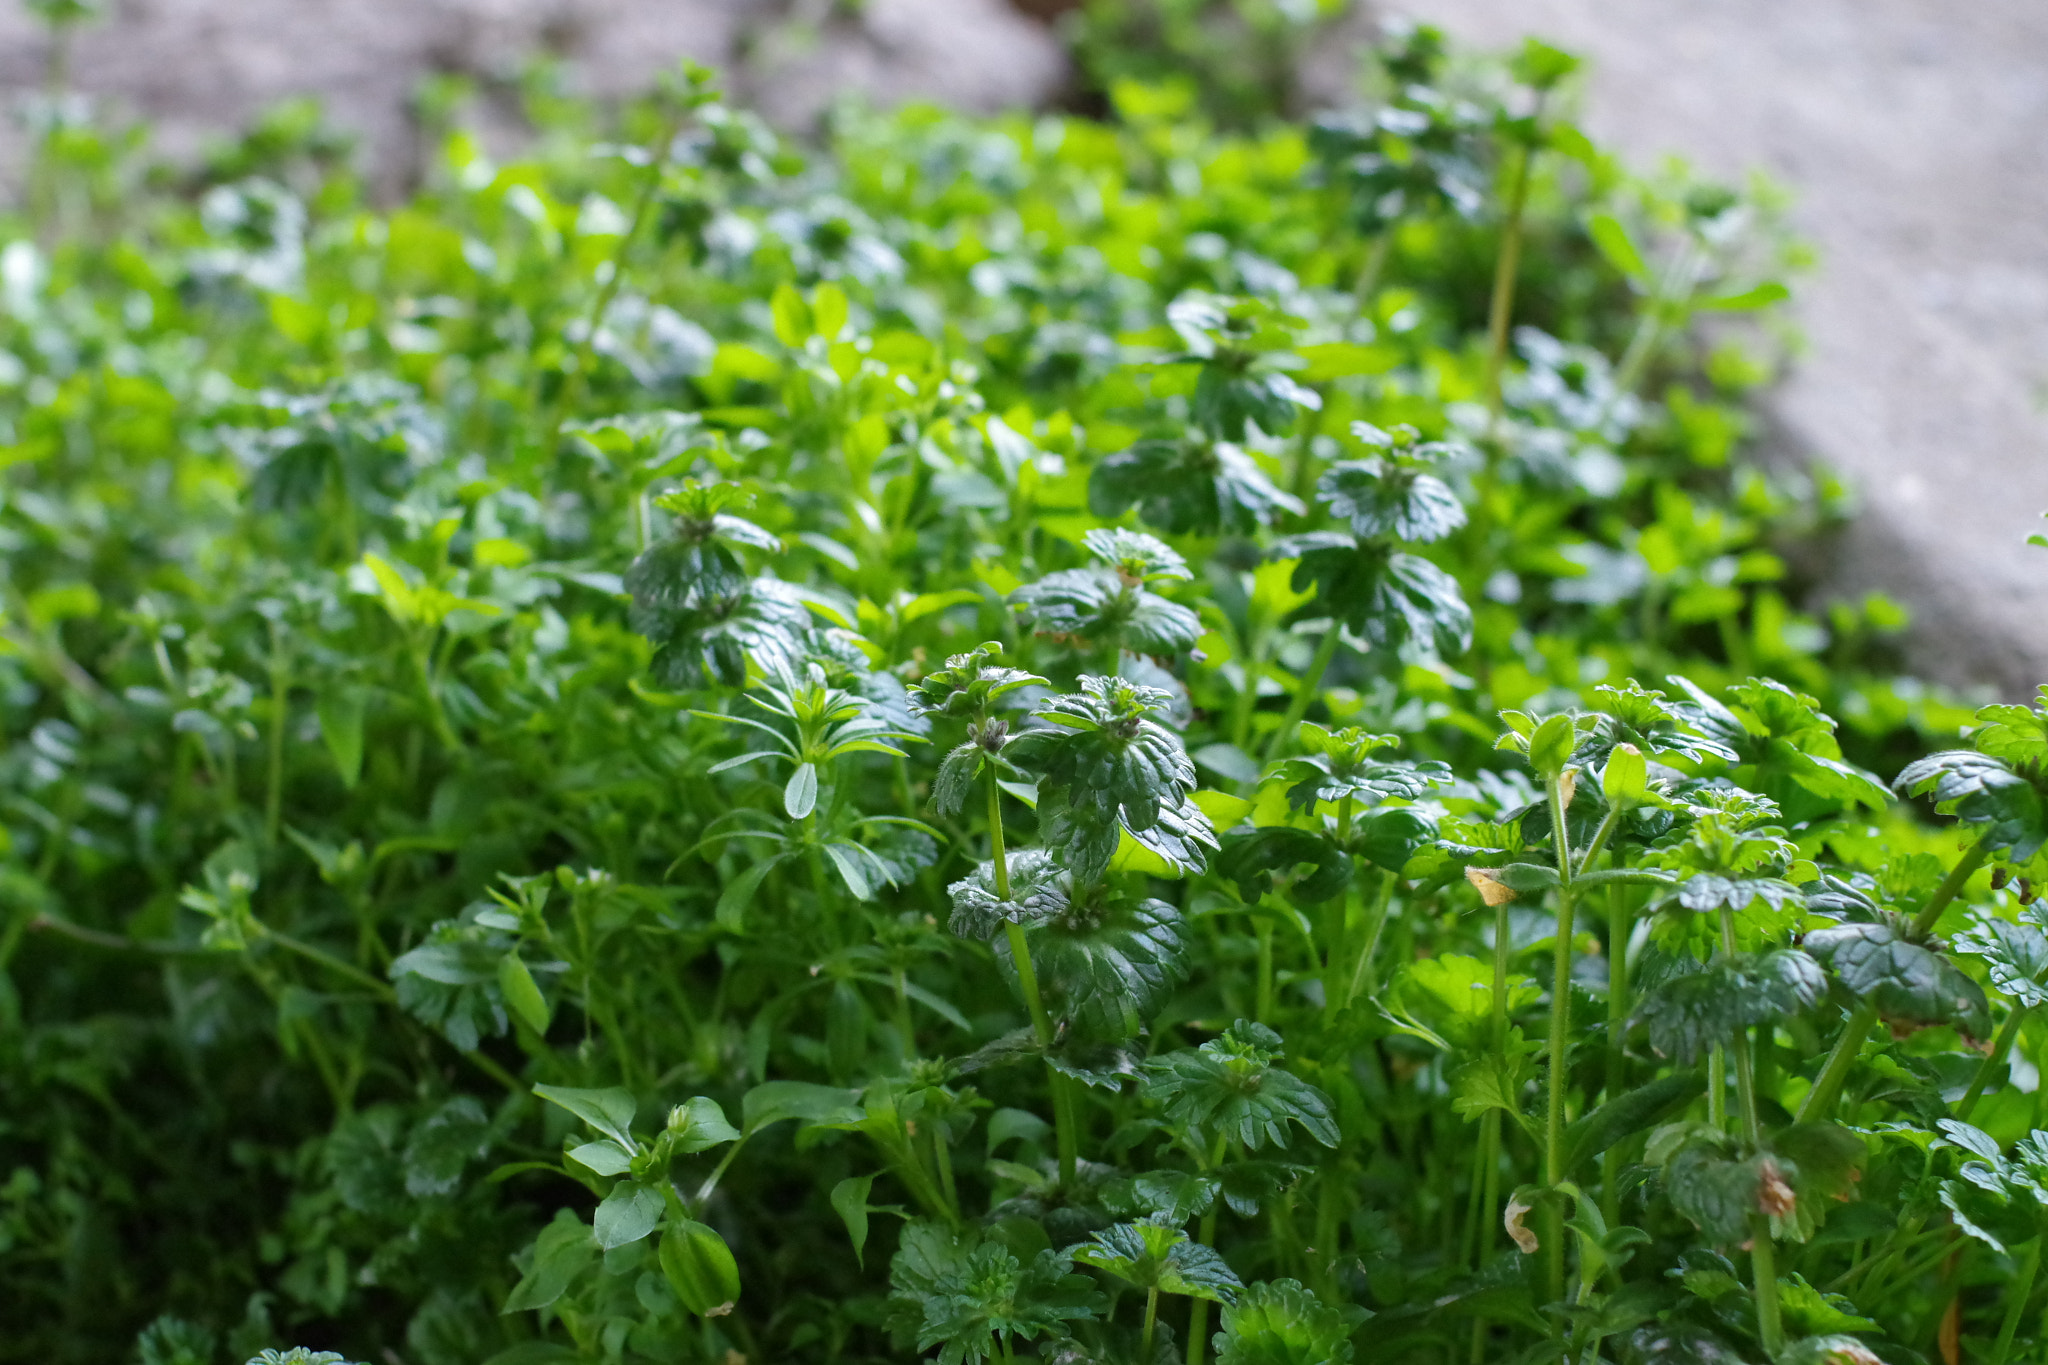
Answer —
1915 136
1915 133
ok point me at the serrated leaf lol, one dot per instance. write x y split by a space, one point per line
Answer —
1231 1086
1156 1256
1704 1009
1904 981
1280 1322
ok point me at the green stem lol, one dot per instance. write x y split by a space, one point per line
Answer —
1990 1064
1375 925
382 990
1198 1309
1952 885
2016 1302
1375 261
1717 1086
1619 925
1027 981
1306 692
1507 266
280 694
1820 1101
1151 1322
1262 1003
1762 1254
1560 1024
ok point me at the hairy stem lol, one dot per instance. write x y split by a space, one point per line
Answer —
2016 1301
1560 1024
1989 1066
1198 1309
1027 981
1309 689
1820 1101
1151 1323
1619 924
1762 1255
1952 885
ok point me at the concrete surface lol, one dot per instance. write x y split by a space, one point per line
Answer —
1915 136
197 67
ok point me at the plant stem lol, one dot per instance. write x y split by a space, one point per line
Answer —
280 695
1952 885
1560 1023
2016 1302
1506 267
1375 924
1151 1322
1762 1254
1027 981
1717 1086
1310 686
1198 1309
1619 923
1827 1087
1369 274
1990 1064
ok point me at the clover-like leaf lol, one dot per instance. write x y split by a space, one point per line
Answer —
1904 981
1384 499
957 1292
1106 963
1281 1322
969 684
1039 890
2015 957
1159 1256
1206 487
1263 857
1231 1086
1690 1013
1386 597
1104 765
1978 788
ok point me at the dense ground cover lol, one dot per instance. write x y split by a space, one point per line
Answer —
1093 740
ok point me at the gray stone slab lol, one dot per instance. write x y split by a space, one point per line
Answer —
1915 136
198 67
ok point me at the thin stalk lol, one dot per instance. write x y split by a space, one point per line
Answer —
2016 1302
1198 1309
1952 885
1375 262
1762 1254
1820 1101
1151 1323
1262 1003
1717 1086
1027 981
1507 266
1560 1023
1375 925
280 696
1311 684
1618 1005
1990 1064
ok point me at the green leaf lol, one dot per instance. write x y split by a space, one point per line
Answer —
1258 860
1629 1113
1230 1086
1551 746
697 1125
1155 1256
605 1157
792 316
1615 244
1107 962
1904 981
522 995
1280 1322
1703 1009
609 1111
774 1101
2015 957
1453 994
627 1214
560 1254
739 893
961 1293
699 1267
1188 486
850 1201
341 711
1382 499
800 793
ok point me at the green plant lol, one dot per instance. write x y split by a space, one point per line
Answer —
1007 739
